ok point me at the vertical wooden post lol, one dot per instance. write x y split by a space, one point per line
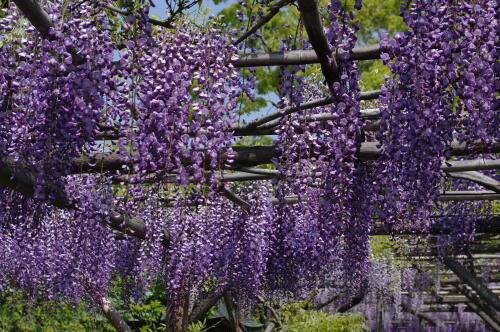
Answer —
421 325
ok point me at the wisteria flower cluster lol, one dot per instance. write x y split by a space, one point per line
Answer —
53 89
324 153
186 97
441 92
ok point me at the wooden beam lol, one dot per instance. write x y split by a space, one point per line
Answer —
455 280
474 256
302 57
484 195
480 308
249 156
470 165
481 290
479 178
22 180
479 195
365 95
272 173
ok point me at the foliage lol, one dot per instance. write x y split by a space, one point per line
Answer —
197 327
18 314
297 319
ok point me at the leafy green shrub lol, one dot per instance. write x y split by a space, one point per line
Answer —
299 320
17 315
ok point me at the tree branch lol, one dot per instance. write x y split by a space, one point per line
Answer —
354 301
166 24
312 22
273 10
202 307
236 199
36 15
39 18
22 180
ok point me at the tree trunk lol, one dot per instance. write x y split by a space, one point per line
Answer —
178 314
114 317
232 310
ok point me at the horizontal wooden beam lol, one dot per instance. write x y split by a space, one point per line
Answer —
365 95
272 173
471 165
267 124
248 156
477 195
479 178
452 291
474 256
449 299
301 57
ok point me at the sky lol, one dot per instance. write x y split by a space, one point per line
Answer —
159 9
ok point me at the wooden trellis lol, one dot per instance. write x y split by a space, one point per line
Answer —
463 288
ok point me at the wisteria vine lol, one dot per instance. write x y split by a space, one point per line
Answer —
171 98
